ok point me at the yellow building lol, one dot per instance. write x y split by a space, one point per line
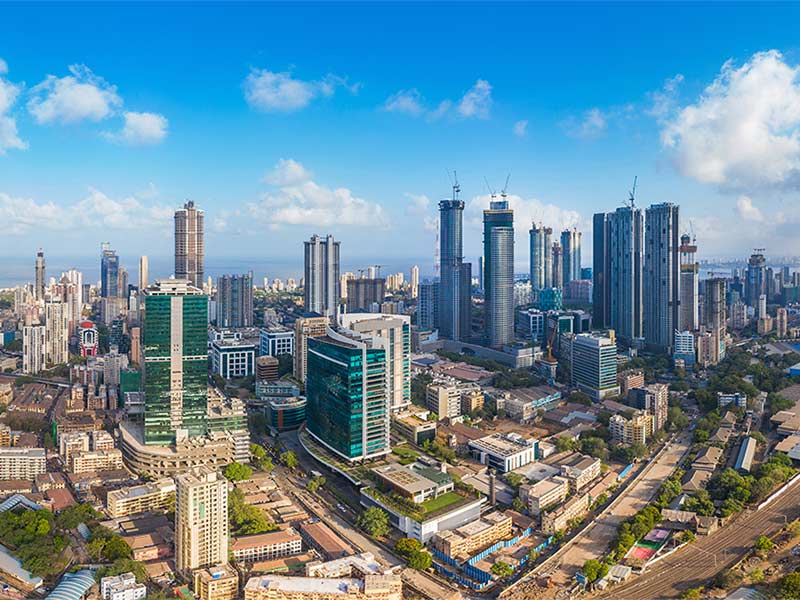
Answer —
279 587
472 537
216 583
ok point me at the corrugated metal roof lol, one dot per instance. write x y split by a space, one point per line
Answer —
73 586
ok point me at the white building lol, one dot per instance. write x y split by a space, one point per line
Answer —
201 520
33 349
231 359
122 587
22 463
504 451
275 340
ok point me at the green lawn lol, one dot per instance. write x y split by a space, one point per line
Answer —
441 502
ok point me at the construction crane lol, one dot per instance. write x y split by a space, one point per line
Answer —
550 342
492 192
455 184
632 193
504 193
759 250
377 271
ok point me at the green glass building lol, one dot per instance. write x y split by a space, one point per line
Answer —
347 406
175 373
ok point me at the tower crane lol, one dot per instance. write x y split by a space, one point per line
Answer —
632 193
504 193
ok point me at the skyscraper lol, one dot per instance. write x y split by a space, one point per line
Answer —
144 273
308 326
57 318
755 283
123 282
455 283
33 349
235 301
661 276
322 292
347 407
364 293
414 281
428 305
189 244
175 356
38 291
690 308
541 241
557 268
109 272
393 334
625 247
201 520
715 318
571 256
601 290
498 252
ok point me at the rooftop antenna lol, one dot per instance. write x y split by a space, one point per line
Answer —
632 193
456 186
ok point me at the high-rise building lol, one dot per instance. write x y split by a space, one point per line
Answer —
781 320
455 283
33 349
347 408
393 334
557 268
755 283
661 276
70 294
762 307
689 309
498 252
715 321
189 244
601 290
321 293
38 290
428 305
235 300
144 273
365 293
541 241
625 248
175 356
594 365
109 272
56 319
308 326
414 281
570 256
123 282
201 520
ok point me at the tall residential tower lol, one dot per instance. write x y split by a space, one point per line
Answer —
455 284
322 292
189 244
661 276
498 252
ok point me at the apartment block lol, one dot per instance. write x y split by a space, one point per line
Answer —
22 463
558 519
154 496
466 540
545 493
266 546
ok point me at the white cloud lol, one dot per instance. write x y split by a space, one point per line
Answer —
301 201
592 124
520 128
747 210
744 129
73 98
287 172
140 129
418 204
477 101
9 92
280 92
664 100
96 210
405 101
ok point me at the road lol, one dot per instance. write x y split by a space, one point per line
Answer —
593 541
697 563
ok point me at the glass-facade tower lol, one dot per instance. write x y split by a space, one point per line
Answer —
455 287
498 253
175 373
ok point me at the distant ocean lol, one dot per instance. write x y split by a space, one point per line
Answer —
17 271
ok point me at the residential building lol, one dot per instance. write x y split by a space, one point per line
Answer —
96 460
347 407
189 244
594 365
201 520
144 274
455 284
109 272
755 283
654 400
321 291
220 582
280 587
601 288
661 276
175 373
233 359
122 587
715 321
523 405
558 519
414 281
498 252
570 256
443 399
393 334
689 318
33 349
737 399
307 326
544 494
624 253
558 265
636 430
781 321
235 301
275 340
22 463
428 305
580 470
266 546
504 451
38 288
155 496
630 380
365 294
465 541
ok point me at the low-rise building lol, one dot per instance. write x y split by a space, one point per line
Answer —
630 380
417 485
580 470
544 494
122 587
233 359
414 427
464 541
216 583
22 463
154 496
286 414
523 405
559 518
275 339
504 451
737 399
96 460
324 540
635 430
266 546
279 587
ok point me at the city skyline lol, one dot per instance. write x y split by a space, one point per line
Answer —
139 146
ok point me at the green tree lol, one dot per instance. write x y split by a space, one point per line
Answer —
238 472
565 443
374 521
514 479
124 565
789 587
420 561
314 484
501 569
517 504
764 544
116 548
594 570
691 594
289 459
405 547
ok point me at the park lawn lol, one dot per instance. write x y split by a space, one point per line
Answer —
443 501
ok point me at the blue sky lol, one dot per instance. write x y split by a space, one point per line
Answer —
287 120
